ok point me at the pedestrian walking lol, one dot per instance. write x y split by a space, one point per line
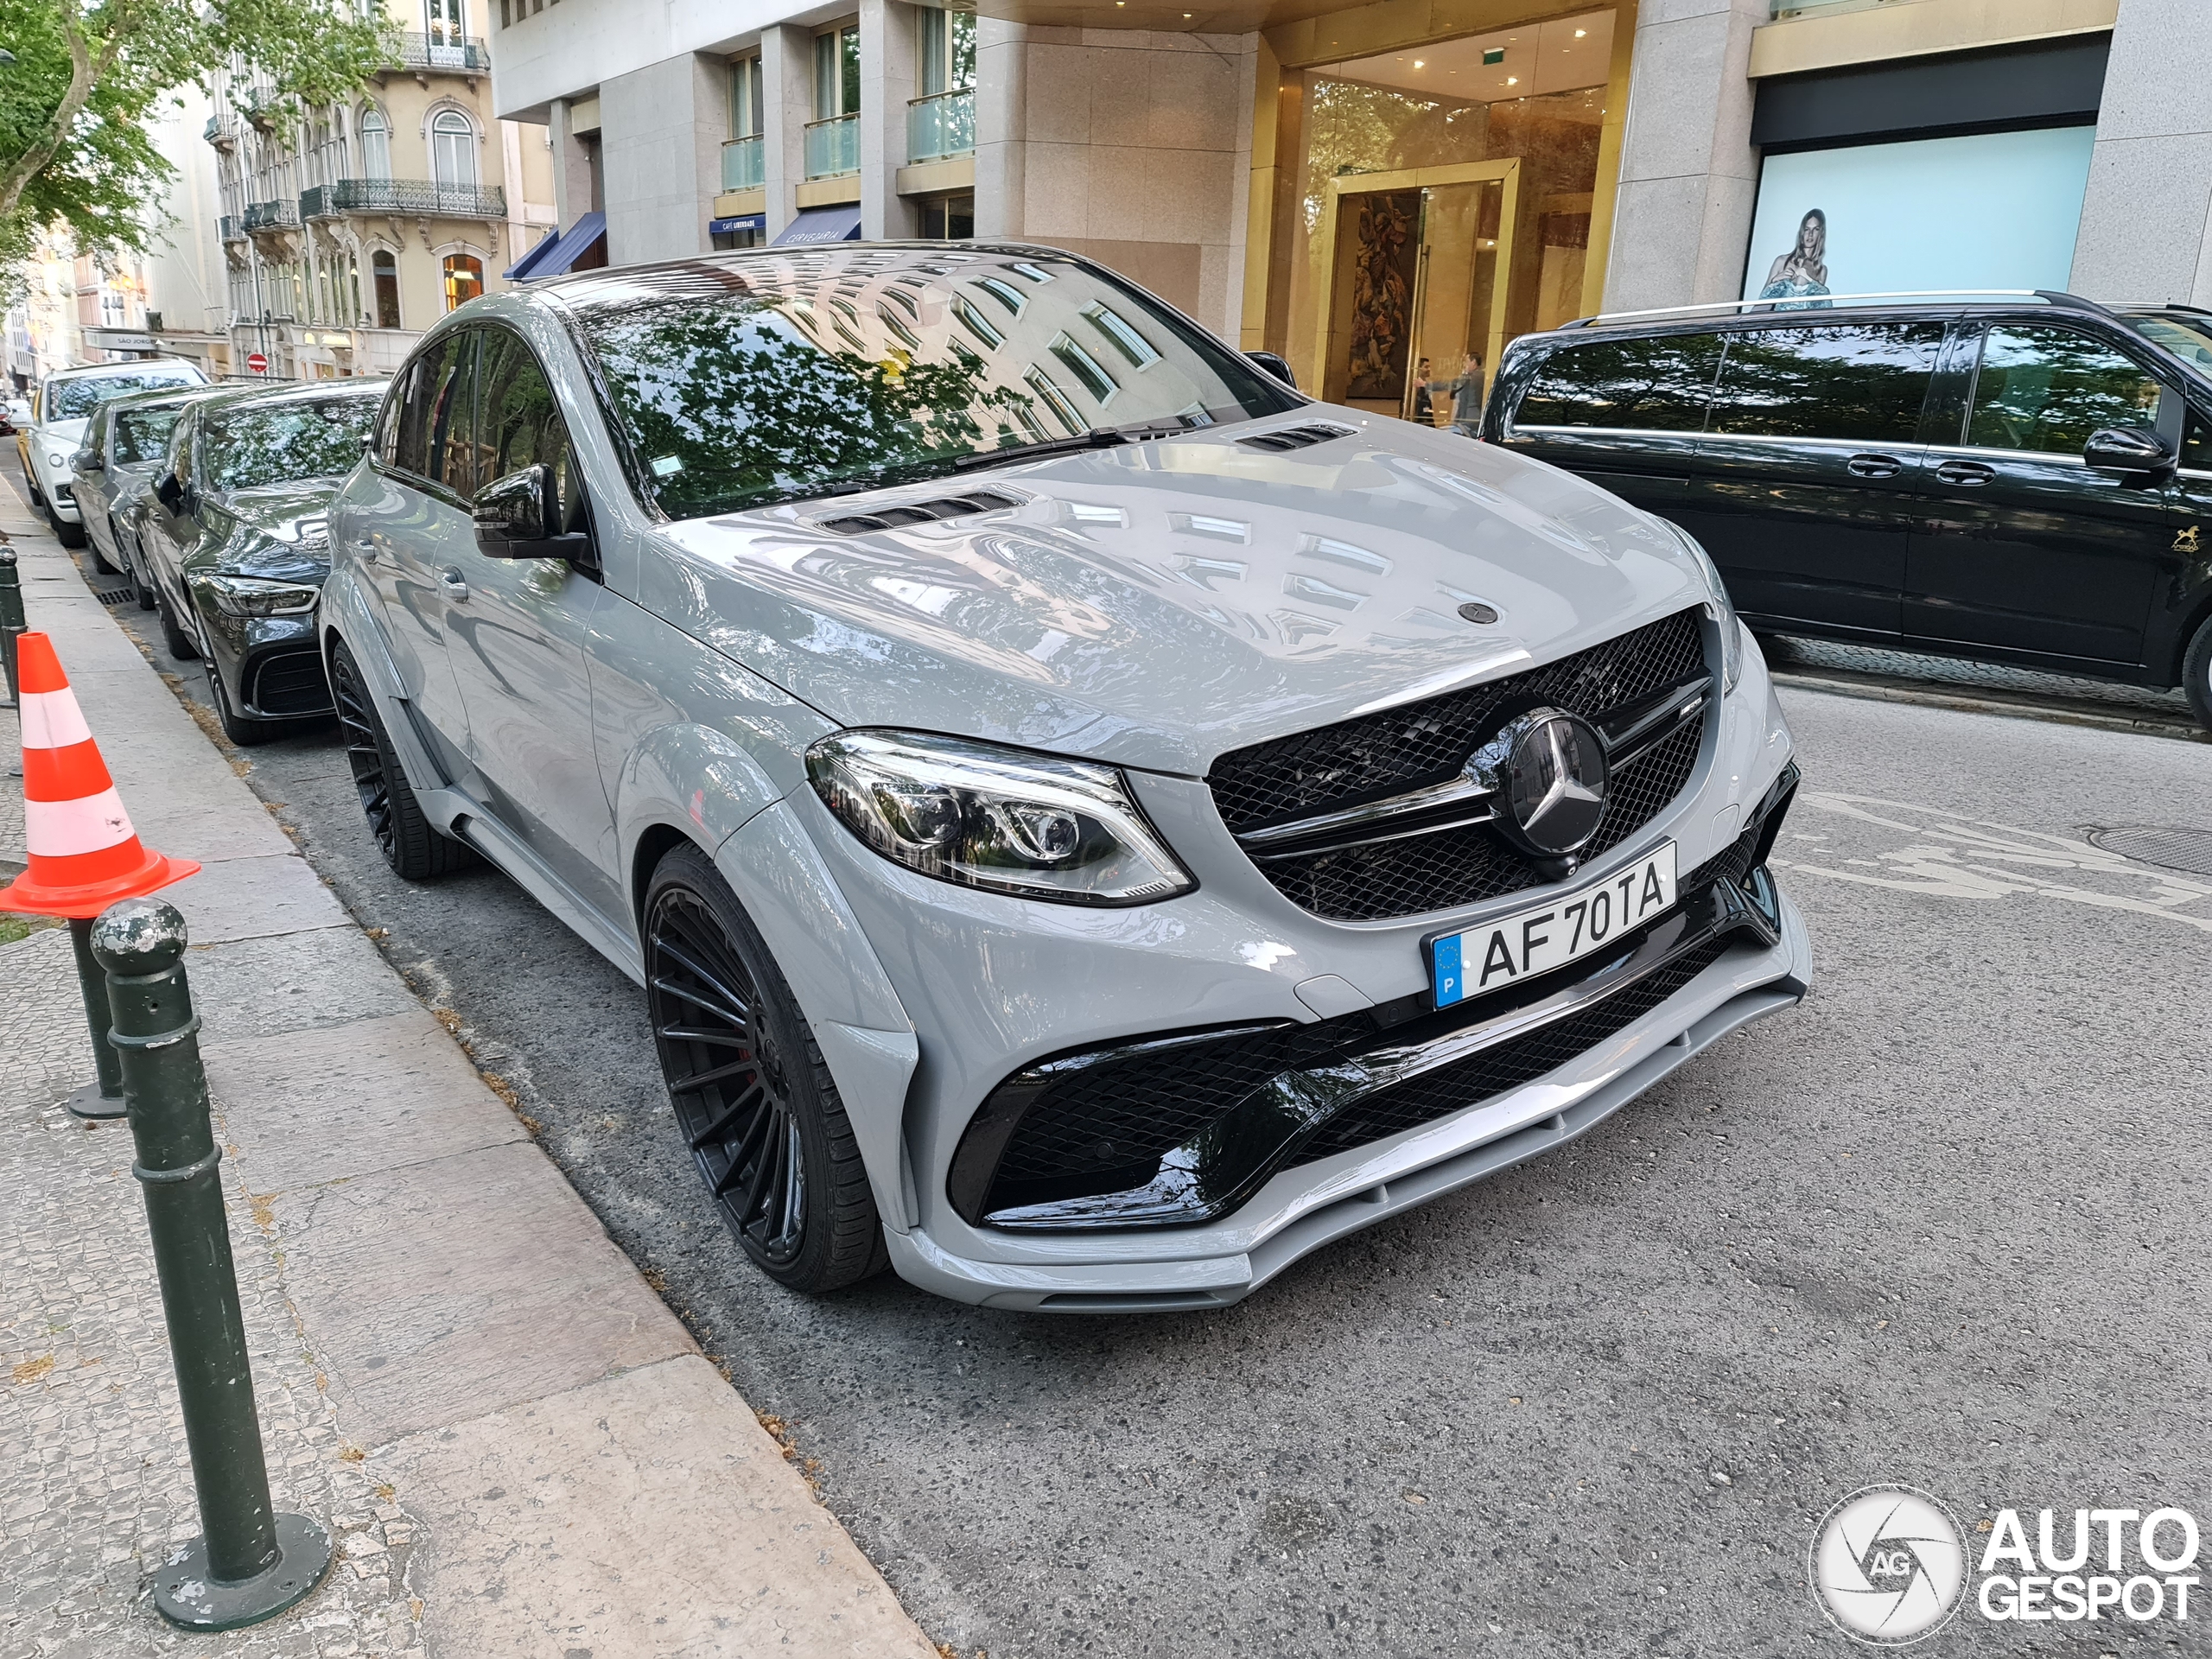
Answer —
1466 390
1424 408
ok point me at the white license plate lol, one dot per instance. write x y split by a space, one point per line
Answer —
1561 930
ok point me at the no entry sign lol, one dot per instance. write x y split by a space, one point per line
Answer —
257 362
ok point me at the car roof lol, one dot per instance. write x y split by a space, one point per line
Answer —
139 366
707 277
160 399
301 391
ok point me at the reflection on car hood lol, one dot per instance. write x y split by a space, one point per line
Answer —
1160 604
268 507
64 436
265 507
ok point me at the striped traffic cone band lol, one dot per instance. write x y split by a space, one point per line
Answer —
84 853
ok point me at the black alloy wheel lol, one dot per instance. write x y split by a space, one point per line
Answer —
2196 671
134 561
100 561
245 730
754 1100
179 644
416 851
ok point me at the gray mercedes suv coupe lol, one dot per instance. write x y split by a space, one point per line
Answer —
1091 824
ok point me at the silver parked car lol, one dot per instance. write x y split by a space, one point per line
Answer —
125 451
1091 824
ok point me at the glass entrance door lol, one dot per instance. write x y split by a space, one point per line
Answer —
1417 262
1455 288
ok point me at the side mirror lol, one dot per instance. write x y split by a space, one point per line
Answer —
1277 365
516 518
2126 450
87 461
170 492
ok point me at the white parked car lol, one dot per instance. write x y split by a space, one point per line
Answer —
59 412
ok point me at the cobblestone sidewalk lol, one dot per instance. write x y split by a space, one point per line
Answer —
95 1486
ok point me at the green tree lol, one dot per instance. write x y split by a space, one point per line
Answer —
74 150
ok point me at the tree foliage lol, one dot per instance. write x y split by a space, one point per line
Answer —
74 146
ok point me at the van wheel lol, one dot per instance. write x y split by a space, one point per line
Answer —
754 1100
2196 671
67 534
414 850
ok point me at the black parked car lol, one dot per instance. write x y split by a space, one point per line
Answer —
2026 479
237 540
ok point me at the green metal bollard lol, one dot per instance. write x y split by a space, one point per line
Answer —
249 1563
103 1096
11 619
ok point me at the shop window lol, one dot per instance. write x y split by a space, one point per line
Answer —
949 219
384 270
464 279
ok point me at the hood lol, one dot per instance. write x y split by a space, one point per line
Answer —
64 436
1157 605
257 548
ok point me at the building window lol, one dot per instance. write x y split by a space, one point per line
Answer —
376 145
837 72
464 279
384 270
446 20
949 219
745 105
948 50
453 151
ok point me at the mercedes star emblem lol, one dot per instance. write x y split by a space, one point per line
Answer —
1547 770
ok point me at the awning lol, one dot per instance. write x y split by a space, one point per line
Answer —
556 254
741 222
838 223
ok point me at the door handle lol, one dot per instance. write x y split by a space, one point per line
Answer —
1968 475
1874 466
456 586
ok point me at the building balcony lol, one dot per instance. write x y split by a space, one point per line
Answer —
460 54
229 229
222 132
421 197
262 107
744 164
833 147
270 216
941 126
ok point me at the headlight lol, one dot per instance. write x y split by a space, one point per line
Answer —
258 596
1000 819
1719 605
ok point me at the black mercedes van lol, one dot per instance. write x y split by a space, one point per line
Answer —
2025 479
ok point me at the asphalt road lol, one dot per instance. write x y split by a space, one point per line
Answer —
1945 1224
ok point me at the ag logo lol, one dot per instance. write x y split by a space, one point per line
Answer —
1889 1565
2187 541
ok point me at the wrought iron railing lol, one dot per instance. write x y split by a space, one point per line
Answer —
419 196
833 147
271 215
221 133
744 163
940 125
466 53
229 228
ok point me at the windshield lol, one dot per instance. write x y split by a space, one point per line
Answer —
290 441
779 377
71 400
2190 339
141 434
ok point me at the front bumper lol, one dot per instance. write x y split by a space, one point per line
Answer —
992 985
271 665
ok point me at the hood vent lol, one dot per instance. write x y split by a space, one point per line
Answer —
1296 437
920 512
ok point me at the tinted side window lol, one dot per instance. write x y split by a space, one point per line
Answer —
2048 389
2196 443
1865 382
1644 385
519 424
453 420
417 398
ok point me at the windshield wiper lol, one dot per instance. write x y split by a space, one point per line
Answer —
1103 437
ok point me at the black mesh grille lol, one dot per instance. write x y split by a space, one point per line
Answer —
291 684
1107 1126
1446 1090
1426 743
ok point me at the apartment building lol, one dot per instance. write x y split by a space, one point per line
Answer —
345 234
1362 187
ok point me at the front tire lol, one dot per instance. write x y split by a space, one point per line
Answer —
141 588
2197 672
245 730
416 851
753 1098
179 644
70 534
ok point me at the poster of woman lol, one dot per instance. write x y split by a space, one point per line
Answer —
1799 279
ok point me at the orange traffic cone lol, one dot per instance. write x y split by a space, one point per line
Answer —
84 853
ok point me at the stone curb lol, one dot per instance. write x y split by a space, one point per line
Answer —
1966 703
578 1477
